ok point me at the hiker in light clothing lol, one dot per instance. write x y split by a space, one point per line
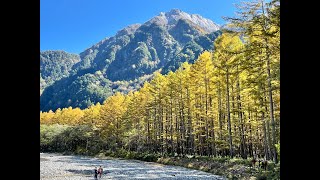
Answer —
100 171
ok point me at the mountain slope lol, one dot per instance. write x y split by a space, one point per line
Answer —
129 58
55 65
76 91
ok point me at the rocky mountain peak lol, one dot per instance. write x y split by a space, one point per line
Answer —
170 18
128 30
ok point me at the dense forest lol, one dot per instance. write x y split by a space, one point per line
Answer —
55 65
226 103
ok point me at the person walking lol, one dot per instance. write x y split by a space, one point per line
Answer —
100 171
95 173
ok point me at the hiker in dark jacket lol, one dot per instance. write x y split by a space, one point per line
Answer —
95 173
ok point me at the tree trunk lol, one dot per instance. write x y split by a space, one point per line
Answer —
268 128
243 143
271 113
182 121
265 137
148 129
166 131
177 134
190 136
275 157
229 119
213 144
206 118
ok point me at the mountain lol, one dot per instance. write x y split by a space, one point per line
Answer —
55 65
171 18
128 59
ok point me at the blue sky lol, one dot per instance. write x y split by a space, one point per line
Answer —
74 25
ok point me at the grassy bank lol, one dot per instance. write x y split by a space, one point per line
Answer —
229 168
235 168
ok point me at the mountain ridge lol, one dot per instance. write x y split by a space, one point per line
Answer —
131 56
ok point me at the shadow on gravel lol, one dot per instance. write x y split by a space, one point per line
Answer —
43 159
86 173
83 172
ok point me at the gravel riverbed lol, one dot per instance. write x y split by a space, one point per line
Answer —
60 167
